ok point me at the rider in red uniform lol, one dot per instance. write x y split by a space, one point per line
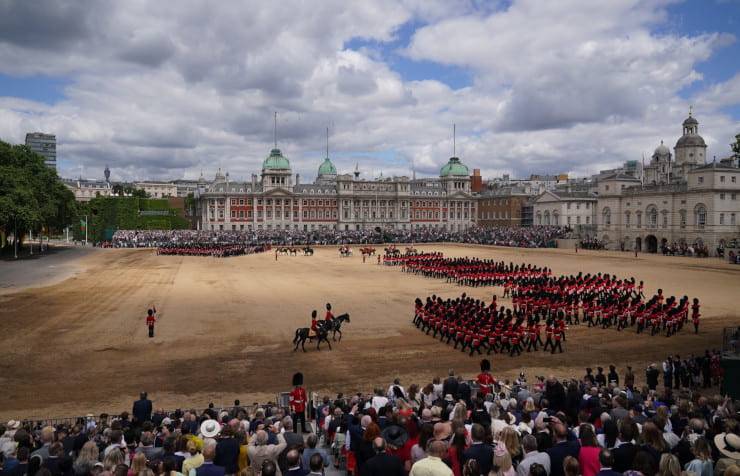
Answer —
329 316
314 323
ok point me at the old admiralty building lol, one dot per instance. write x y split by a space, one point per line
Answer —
276 199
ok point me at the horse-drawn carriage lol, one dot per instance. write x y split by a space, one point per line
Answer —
324 328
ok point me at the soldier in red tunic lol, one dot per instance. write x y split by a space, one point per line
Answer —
151 318
485 379
298 401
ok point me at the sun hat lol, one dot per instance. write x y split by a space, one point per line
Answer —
13 425
728 444
210 428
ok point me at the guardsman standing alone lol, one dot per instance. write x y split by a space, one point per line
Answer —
151 318
298 400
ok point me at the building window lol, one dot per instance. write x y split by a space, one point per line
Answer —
639 219
700 213
734 179
732 218
665 219
652 217
627 219
701 179
682 214
722 179
607 216
721 218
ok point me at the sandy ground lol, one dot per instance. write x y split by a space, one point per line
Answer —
226 327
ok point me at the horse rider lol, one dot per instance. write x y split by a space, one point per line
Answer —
314 324
329 316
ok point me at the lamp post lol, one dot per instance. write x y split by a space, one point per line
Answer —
85 230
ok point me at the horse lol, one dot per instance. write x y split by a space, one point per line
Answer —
307 251
303 334
345 251
293 251
335 325
367 251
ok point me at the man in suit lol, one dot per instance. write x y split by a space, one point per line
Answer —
606 459
142 409
624 454
227 451
293 459
561 449
208 468
382 463
480 451
449 387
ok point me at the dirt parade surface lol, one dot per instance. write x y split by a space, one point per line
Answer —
225 326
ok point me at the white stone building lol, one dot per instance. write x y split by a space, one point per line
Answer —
686 201
566 208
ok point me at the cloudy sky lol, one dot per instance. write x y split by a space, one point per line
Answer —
162 90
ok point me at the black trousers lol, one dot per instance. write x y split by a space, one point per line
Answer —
300 417
151 331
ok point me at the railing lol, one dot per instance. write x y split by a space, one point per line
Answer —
731 342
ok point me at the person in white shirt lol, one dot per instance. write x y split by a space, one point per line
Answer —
379 400
532 456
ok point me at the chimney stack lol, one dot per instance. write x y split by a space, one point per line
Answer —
297 179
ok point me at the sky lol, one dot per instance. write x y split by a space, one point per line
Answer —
157 90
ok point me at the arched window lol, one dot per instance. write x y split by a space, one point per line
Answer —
606 216
539 218
547 218
652 216
638 219
700 213
555 219
627 216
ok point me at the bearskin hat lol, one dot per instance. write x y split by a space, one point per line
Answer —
297 379
485 365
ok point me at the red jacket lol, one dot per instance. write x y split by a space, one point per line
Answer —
297 400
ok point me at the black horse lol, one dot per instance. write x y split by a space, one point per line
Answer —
307 251
335 325
303 334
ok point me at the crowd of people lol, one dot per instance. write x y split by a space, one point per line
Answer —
213 250
683 249
600 424
533 237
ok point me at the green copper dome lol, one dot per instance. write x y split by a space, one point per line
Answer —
454 167
276 161
327 168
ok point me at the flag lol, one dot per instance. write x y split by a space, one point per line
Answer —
83 225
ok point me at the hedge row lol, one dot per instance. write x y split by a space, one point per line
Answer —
108 214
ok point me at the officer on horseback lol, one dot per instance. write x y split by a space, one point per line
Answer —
314 324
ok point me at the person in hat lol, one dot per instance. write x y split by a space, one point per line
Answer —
329 316
314 324
728 444
297 400
485 379
151 318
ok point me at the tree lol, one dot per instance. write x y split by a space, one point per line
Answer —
32 197
125 190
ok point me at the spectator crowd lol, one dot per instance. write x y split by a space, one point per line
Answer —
601 424
536 237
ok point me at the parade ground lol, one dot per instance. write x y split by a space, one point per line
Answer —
225 325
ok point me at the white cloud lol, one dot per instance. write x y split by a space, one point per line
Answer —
165 92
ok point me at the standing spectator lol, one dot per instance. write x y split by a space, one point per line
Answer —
481 452
433 465
227 452
606 458
588 455
142 410
561 449
625 452
311 449
728 444
532 457
47 437
382 464
208 468
293 459
669 466
571 467
259 450
651 375
194 461
701 465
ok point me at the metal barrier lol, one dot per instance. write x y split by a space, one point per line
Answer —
731 343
